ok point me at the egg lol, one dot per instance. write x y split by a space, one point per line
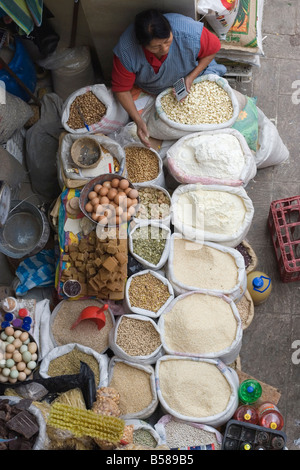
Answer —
22 376
34 357
115 183
126 191
10 339
10 348
2 363
119 211
17 357
108 213
104 200
133 194
17 333
131 211
99 209
92 195
32 347
6 371
14 374
31 365
95 216
17 343
124 184
23 348
3 336
27 371
103 191
120 198
27 341
102 220
11 380
9 355
24 336
97 187
10 363
9 331
3 379
112 193
107 184
21 366
89 207
95 201
134 202
117 220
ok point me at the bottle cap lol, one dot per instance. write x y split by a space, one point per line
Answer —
273 425
247 446
4 324
17 323
250 389
258 282
27 320
23 312
247 416
8 317
26 326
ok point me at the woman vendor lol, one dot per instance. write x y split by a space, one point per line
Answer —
154 52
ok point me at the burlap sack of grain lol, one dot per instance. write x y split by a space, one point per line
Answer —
14 113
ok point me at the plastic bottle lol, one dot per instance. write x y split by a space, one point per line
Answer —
247 414
272 419
278 443
259 286
246 446
249 391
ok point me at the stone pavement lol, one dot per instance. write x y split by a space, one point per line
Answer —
267 350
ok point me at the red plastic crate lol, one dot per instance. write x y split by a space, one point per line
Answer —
284 225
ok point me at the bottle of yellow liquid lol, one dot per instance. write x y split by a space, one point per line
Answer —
259 286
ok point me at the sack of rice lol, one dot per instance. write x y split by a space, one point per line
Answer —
205 267
220 214
202 325
136 386
197 390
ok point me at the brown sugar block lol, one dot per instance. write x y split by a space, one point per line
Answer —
98 262
122 258
111 264
112 249
105 275
24 423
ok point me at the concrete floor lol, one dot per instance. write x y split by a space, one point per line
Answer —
268 342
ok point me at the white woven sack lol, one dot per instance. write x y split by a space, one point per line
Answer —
160 428
165 253
160 179
219 17
141 311
198 233
114 118
119 352
236 293
215 420
272 150
102 360
140 424
149 410
183 174
227 355
161 127
165 220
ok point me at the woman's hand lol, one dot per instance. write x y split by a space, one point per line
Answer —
188 82
142 133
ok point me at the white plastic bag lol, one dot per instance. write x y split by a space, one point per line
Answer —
235 293
161 127
227 355
140 311
183 174
149 410
102 360
196 230
118 351
219 14
114 118
272 150
160 178
165 253
215 420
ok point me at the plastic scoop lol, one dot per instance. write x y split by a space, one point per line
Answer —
95 314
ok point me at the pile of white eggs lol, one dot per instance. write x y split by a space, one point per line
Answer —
18 355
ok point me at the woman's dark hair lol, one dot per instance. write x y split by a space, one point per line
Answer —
151 24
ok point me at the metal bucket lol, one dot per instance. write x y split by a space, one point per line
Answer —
25 232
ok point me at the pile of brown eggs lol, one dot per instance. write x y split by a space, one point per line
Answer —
112 202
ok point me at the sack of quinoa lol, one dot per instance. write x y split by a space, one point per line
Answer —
196 390
183 435
136 386
136 338
211 104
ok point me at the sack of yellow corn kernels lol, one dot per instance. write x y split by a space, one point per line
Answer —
210 105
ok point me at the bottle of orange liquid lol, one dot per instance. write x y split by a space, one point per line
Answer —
247 414
269 416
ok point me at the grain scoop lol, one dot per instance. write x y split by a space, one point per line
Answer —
95 314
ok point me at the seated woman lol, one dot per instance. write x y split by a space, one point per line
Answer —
157 50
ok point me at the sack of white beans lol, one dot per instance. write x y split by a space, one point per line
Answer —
211 104
205 267
95 100
219 214
143 433
202 325
136 338
197 390
149 244
219 157
136 386
182 435
60 353
148 293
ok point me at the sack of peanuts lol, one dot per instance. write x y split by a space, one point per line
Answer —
136 338
220 14
205 267
215 213
148 293
210 105
217 157
93 109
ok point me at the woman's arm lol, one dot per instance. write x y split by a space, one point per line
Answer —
126 100
202 64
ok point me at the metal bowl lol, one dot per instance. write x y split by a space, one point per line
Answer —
90 186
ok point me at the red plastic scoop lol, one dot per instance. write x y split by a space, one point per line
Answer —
95 314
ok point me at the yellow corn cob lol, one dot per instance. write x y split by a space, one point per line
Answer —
82 422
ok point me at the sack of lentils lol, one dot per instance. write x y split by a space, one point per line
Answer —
196 390
182 435
143 433
136 338
65 360
148 293
136 386
143 165
149 244
154 205
99 108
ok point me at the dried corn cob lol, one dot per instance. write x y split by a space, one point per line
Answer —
86 423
